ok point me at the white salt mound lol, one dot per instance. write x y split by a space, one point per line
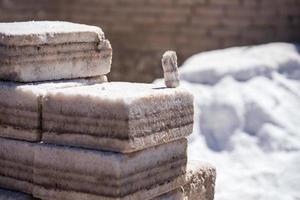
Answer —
247 119
242 63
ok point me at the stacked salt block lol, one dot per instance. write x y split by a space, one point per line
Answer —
199 185
21 104
48 50
117 116
60 172
142 127
84 139
40 51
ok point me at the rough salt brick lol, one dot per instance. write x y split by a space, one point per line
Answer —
16 165
20 106
169 65
13 195
173 195
200 181
38 169
30 51
90 174
47 32
52 50
117 116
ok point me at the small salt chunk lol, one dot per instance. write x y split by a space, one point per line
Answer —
169 64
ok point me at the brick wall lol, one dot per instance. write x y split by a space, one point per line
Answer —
141 30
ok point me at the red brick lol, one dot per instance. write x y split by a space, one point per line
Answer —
229 22
263 34
191 2
210 11
205 21
250 3
192 32
241 12
225 2
224 32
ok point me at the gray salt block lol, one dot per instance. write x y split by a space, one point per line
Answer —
68 173
21 108
117 116
52 50
16 165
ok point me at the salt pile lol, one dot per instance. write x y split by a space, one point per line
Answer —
247 119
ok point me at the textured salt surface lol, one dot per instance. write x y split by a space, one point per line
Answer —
199 183
247 119
64 57
16 165
70 67
45 50
38 169
173 195
20 106
142 194
47 32
121 117
169 64
16 52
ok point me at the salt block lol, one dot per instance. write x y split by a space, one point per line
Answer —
13 195
37 169
200 181
16 165
52 50
117 116
169 64
47 32
91 174
21 108
173 195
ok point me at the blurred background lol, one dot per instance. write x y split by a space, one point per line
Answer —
141 30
